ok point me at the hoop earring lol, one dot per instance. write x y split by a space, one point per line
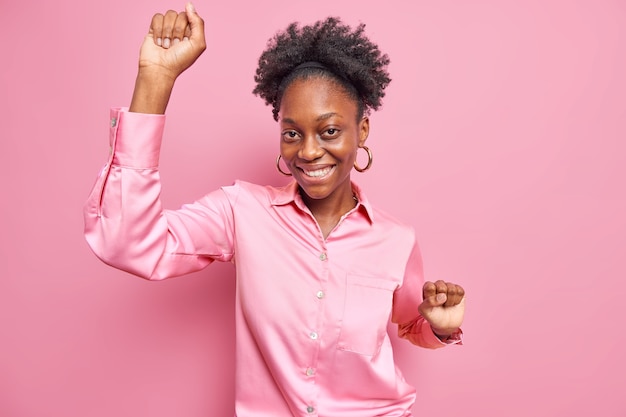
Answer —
287 174
369 160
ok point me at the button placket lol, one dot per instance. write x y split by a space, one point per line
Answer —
310 372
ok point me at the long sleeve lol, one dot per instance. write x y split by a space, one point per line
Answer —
411 325
125 223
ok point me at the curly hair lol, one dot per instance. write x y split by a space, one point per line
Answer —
348 56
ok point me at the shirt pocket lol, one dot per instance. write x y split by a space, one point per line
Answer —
367 308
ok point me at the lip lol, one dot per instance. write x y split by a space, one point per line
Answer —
314 174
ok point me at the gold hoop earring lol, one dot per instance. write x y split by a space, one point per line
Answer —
369 160
287 174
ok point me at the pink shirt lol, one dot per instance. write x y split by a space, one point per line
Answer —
311 313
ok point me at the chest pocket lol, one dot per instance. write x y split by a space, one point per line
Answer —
366 313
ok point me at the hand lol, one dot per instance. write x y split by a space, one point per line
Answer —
173 44
443 306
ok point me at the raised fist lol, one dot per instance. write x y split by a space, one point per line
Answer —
174 42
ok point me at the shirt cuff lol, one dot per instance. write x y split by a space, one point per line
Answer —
455 338
135 138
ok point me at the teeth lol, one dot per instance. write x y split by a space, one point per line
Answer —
318 173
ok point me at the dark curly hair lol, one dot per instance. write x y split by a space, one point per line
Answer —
348 56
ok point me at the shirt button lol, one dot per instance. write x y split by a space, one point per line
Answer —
323 256
310 371
320 294
310 409
313 335
113 121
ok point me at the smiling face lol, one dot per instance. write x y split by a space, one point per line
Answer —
320 136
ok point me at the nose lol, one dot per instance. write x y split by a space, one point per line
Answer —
310 149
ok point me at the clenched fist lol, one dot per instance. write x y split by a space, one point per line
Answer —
173 43
443 306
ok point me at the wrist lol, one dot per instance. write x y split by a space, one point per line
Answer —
443 333
156 74
448 335
152 92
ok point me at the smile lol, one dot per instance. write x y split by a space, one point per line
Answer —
318 173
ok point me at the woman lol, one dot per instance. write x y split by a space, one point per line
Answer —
319 271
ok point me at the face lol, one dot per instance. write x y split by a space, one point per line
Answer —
320 137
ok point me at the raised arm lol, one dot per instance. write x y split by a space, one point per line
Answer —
125 223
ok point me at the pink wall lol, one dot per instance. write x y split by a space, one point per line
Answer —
502 139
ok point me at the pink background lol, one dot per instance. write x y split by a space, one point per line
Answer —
502 139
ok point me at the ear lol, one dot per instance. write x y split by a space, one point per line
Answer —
364 130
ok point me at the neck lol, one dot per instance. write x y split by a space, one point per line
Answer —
332 207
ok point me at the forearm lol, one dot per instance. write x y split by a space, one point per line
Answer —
123 209
125 224
444 334
419 333
152 92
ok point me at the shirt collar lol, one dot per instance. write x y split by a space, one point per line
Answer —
289 194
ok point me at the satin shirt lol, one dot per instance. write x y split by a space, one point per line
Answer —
312 314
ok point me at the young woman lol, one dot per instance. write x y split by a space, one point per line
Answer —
320 272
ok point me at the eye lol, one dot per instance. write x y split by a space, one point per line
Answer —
290 135
331 133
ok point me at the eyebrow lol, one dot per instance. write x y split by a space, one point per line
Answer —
319 118
327 116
